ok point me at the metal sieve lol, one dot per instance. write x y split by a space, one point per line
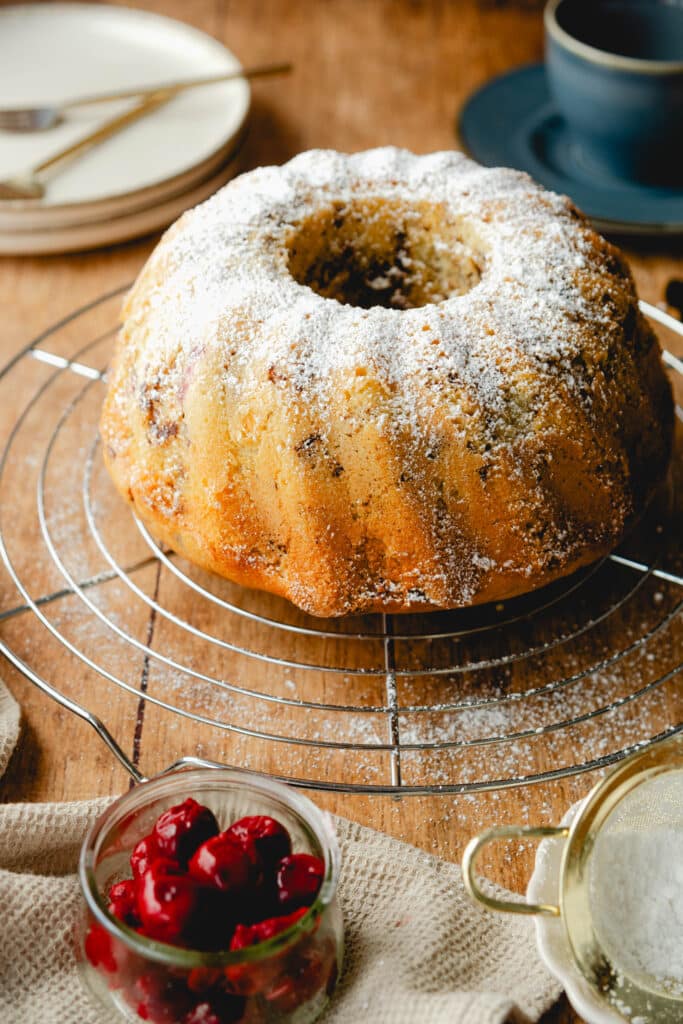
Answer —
620 886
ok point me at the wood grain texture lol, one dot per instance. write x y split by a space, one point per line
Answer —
366 74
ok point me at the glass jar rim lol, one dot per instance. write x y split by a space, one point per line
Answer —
316 822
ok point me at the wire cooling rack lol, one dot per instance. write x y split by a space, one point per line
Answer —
565 680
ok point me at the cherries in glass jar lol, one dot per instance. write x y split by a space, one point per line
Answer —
196 887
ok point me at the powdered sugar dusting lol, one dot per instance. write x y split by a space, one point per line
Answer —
466 394
229 255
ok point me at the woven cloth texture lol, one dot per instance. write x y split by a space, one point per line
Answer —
417 950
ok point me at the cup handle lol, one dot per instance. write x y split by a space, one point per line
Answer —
492 835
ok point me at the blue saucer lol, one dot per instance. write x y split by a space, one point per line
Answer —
512 122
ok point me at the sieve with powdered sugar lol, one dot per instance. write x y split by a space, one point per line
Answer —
620 880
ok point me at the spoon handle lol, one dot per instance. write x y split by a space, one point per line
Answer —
105 131
261 71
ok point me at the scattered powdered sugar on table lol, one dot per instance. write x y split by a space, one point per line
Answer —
506 702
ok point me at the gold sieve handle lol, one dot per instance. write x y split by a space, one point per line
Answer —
492 835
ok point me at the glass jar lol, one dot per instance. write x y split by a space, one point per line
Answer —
288 978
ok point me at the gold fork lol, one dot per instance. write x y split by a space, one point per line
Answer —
35 119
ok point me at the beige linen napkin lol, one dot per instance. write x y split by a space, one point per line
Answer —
417 950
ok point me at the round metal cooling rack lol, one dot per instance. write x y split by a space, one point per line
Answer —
565 680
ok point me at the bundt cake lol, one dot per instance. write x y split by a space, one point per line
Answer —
386 382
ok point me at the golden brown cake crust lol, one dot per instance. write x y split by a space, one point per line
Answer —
386 382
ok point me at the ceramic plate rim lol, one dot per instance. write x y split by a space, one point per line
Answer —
162 184
82 237
72 215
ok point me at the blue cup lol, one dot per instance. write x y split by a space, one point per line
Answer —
615 69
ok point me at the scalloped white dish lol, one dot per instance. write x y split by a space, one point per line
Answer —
553 946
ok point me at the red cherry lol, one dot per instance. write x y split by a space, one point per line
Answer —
201 979
169 903
222 863
123 902
250 978
308 971
251 934
99 948
165 866
298 880
285 996
265 839
160 998
143 854
180 830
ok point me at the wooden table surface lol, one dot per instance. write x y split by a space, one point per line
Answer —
366 74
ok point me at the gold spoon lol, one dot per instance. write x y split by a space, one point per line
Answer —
29 184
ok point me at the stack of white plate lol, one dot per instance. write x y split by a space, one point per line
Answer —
141 179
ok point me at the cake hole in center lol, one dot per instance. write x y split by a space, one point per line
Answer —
375 252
